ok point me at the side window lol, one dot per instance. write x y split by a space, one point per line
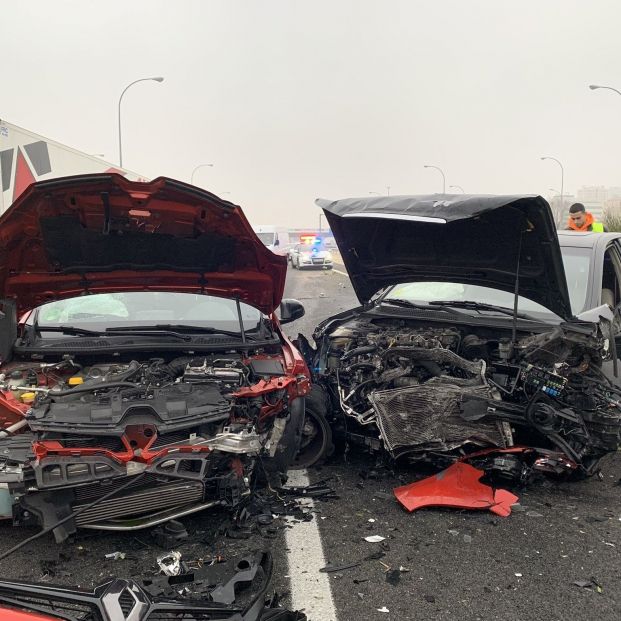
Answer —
611 277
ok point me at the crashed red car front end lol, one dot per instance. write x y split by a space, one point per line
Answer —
148 377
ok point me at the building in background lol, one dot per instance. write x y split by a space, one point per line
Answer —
26 157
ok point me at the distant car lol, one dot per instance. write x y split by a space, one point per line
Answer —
480 330
148 358
309 256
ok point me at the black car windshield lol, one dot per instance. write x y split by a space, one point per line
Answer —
101 311
576 262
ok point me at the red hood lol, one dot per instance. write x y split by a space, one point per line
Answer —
101 233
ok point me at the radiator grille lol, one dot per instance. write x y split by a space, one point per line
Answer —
427 418
142 501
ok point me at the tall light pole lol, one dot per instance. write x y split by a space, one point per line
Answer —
119 118
547 157
320 216
442 173
197 168
457 187
594 87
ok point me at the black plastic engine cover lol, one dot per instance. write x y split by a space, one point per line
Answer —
169 409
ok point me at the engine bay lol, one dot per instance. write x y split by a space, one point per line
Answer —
191 430
433 392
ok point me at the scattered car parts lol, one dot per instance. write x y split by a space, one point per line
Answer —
458 486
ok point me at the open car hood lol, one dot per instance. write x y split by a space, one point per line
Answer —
461 238
101 233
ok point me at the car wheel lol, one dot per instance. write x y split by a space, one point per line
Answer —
316 444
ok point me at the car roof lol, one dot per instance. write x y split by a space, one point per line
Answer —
589 239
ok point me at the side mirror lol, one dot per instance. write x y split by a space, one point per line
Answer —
290 310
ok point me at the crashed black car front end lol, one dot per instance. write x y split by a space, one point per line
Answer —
470 345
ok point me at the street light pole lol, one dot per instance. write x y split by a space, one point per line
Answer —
119 116
442 173
194 171
457 187
594 87
547 157
320 216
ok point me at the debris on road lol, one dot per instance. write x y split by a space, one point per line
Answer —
116 556
592 584
383 609
170 564
374 538
458 486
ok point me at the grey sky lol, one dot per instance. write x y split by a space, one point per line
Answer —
293 100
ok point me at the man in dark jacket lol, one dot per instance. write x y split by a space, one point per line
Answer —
582 220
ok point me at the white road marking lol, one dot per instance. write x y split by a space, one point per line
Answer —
310 590
339 272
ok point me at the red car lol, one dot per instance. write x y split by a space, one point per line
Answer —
144 372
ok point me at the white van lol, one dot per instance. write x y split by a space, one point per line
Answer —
276 238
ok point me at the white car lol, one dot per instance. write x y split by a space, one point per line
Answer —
309 256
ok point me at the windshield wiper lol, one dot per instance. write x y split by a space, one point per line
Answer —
72 330
480 306
410 304
68 330
174 328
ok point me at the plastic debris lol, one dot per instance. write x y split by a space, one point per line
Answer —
374 538
168 535
534 514
383 609
330 568
518 575
590 584
116 556
458 486
467 539
170 564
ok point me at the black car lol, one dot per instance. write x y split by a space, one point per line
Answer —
468 338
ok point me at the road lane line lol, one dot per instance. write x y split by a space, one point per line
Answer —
339 272
310 590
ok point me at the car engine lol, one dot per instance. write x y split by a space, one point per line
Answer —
173 435
428 393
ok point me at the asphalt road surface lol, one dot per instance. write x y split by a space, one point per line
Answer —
460 565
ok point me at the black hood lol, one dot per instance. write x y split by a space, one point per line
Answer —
470 239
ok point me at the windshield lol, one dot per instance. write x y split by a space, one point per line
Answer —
266 238
576 262
147 308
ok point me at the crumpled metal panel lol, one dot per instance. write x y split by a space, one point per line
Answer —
458 486
427 418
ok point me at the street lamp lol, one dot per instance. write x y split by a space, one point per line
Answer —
547 157
457 187
321 215
120 98
442 173
610 88
194 171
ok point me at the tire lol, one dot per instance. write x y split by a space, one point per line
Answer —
316 444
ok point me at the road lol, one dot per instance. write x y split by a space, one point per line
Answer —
522 567
461 565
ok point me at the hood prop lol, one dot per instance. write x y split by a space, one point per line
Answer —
516 292
241 321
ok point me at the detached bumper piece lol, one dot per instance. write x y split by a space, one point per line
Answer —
459 487
234 590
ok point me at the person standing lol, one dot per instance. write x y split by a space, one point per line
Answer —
582 220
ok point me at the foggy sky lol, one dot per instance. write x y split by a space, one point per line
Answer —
293 100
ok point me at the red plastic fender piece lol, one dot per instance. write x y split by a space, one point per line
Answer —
458 486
